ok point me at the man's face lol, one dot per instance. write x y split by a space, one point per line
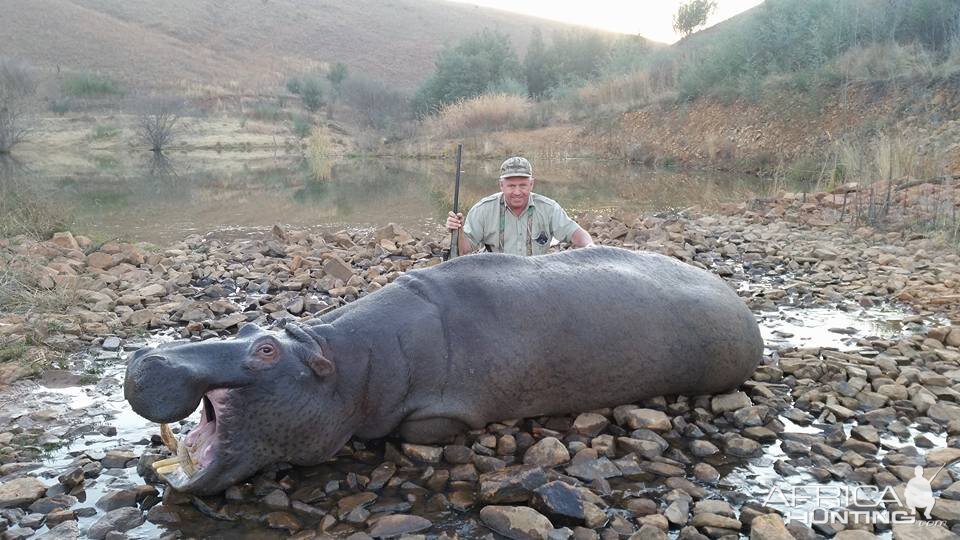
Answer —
516 191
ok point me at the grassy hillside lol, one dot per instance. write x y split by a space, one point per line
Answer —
245 45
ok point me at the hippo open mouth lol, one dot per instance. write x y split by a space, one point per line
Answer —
197 453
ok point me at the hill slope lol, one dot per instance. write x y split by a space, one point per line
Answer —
245 44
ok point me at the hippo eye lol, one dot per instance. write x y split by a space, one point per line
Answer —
266 349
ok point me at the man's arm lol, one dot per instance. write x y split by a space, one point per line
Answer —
581 238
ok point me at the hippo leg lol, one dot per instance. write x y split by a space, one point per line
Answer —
429 430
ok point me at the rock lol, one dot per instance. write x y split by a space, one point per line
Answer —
921 531
119 459
716 521
648 419
154 289
101 260
648 532
284 521
121 519
21 492
729 402
561 502
594 469
65 240
335 267
117 499
111 343
590 424
854 535
398 524
700 448
422 453
512 484
67 530
769 527
678 512
548 452
742 447
516 522
45 505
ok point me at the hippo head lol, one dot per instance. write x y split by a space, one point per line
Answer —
267 396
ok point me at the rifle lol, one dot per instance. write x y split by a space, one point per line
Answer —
455 235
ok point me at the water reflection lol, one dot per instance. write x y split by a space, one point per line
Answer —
162 198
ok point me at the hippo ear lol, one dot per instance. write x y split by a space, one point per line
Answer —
320 365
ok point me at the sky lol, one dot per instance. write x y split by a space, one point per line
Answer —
652 19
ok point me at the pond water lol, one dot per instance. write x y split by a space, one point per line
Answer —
136 197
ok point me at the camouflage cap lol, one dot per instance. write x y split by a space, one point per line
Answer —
516 166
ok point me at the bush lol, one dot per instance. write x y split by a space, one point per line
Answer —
90 85
376 104
467 69
17 86
488 112
268 111
24 211
104 131
311 91
158 120
302 126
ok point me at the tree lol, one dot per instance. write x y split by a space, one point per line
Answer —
692 14
536 66
336 75
468 69
311 91
158 122
16 86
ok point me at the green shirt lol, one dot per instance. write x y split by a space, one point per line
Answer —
545 218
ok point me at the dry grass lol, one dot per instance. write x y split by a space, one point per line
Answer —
22 292
883 158
24 212
489 112
319 156
883 62
628 90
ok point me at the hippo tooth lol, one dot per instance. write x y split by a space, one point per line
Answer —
168 438
166 469
165 462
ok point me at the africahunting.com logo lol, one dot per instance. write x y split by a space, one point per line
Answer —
827 504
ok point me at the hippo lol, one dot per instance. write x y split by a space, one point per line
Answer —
442 350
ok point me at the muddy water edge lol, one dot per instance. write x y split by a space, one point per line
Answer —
857 387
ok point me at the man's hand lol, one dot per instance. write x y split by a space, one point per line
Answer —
454 221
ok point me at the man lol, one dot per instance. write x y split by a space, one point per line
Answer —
516 220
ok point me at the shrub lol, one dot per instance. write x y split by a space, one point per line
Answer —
158 120
311 91
90 85
302 125
16 87
25 211
104 131
268 111
377 104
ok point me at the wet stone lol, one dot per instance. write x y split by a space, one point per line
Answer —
396 525
742 447
67 530
561 502
422 453
590 424
510 485
119 459
729 402
547 452
703 448
516 522
457 454
647 419
46 505
121 519
769 527
21 492
705 472
283 521
594 469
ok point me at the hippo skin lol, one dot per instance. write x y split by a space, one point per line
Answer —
441 350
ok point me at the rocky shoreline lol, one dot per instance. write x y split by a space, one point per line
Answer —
864 416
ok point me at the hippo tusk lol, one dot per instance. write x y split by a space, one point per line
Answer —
164 462
168 438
